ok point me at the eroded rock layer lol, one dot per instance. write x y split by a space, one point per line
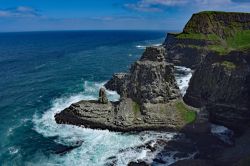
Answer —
150 99
150 80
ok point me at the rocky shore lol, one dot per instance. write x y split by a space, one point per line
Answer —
150 100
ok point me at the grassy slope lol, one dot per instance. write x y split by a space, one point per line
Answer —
240 40
187 114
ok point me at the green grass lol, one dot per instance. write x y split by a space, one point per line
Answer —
239 41
219 49
187 114
228 65
136 108
198 36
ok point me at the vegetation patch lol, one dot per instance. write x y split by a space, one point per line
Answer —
187 114
136 108
228 65
198 36
239 41
189 46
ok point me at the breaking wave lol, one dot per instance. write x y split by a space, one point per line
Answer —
144 46
99 147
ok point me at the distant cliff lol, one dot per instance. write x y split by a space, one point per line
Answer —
217 45
208 31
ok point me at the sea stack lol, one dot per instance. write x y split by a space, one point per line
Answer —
102 96
150 99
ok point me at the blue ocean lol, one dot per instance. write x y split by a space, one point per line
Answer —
42 73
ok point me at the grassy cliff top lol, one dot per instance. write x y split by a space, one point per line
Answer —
227 30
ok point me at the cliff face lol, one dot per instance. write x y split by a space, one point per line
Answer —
221 85
185 52
152 78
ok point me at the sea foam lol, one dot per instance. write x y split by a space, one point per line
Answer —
99 146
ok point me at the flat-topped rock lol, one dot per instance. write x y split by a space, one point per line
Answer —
123 116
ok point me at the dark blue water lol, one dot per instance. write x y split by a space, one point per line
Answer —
42 73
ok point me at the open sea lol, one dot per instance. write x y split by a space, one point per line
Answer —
42 73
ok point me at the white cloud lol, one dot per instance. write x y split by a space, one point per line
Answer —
161 5
20 11
154 5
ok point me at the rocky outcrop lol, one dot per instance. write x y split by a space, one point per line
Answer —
102 96
118 83
221 84
150 99
124 116
150 80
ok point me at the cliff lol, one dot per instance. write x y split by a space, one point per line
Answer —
217 24
219 50
221 32
221 85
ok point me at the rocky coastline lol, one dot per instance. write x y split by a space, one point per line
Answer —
218 92
150 100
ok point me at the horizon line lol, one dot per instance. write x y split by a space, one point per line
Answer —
90 30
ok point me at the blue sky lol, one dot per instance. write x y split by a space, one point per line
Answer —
40 15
